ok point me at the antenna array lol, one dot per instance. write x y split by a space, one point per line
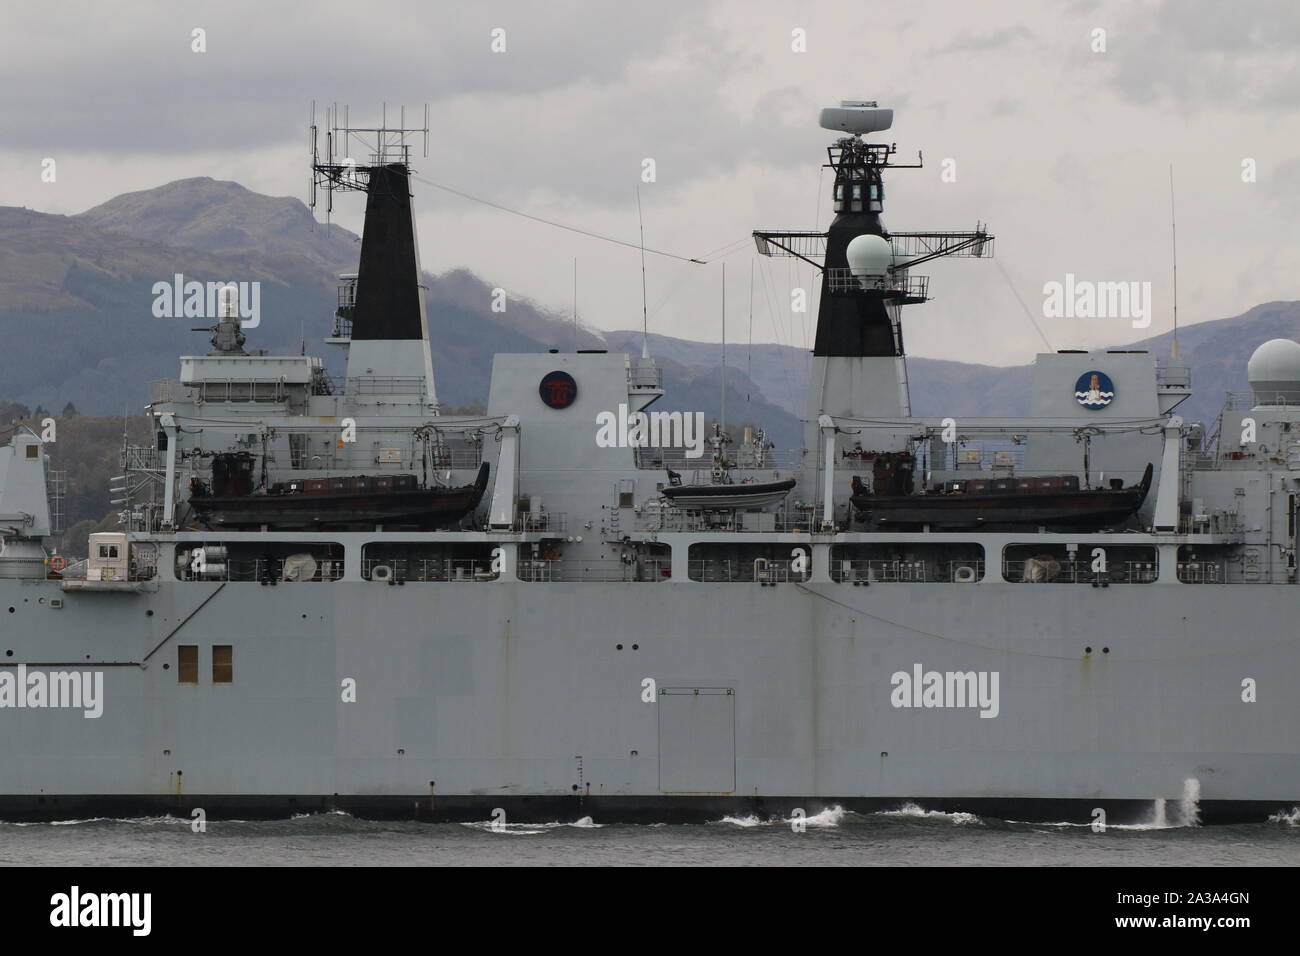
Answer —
381 145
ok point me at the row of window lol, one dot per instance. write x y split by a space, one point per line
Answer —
187 664
738 560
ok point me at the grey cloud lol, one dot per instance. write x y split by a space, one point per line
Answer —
988 41
1198 53
124 75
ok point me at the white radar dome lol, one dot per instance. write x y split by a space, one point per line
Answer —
857 117
1274 372
869 255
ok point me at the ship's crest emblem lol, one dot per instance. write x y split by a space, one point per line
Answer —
1094 390
558 390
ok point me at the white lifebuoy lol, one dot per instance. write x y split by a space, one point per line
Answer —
381 572
964 574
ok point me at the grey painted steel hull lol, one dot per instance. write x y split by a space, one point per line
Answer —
474 695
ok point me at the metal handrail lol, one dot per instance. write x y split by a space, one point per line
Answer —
425 570
744 571
918 571
259 569
668 518
1080 572
605 570
543 521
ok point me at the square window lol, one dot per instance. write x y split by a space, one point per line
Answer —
223 664
187 663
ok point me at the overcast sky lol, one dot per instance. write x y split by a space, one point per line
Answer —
1063 151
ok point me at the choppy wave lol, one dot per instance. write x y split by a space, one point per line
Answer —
76 822
1290 817
830 817
531 829
916 812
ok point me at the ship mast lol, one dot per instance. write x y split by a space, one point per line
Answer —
387 327
858 367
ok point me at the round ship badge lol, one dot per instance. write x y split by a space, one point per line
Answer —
558 389
1094 390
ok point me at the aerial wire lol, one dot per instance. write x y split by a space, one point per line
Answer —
552 222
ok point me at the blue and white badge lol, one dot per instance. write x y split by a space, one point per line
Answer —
1094 390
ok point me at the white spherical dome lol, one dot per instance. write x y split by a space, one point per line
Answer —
869 255
1274 372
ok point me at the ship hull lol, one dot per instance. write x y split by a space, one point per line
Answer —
646 809
530 697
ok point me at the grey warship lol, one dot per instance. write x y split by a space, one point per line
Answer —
572 641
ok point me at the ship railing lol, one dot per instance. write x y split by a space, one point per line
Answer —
753 571
1080 572
700 470
345 310
141 458
541 521
56 489
385 385
75 571
425 570
842 281
603 570
887 571
1226 460
1287 456
352 458
136 570
241 390
1239 401
667 518
1201 572
261 569
1215 522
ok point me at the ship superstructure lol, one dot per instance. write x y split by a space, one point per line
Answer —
582 639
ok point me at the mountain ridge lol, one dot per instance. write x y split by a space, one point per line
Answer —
85 281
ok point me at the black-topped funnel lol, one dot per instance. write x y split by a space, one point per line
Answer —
388 283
